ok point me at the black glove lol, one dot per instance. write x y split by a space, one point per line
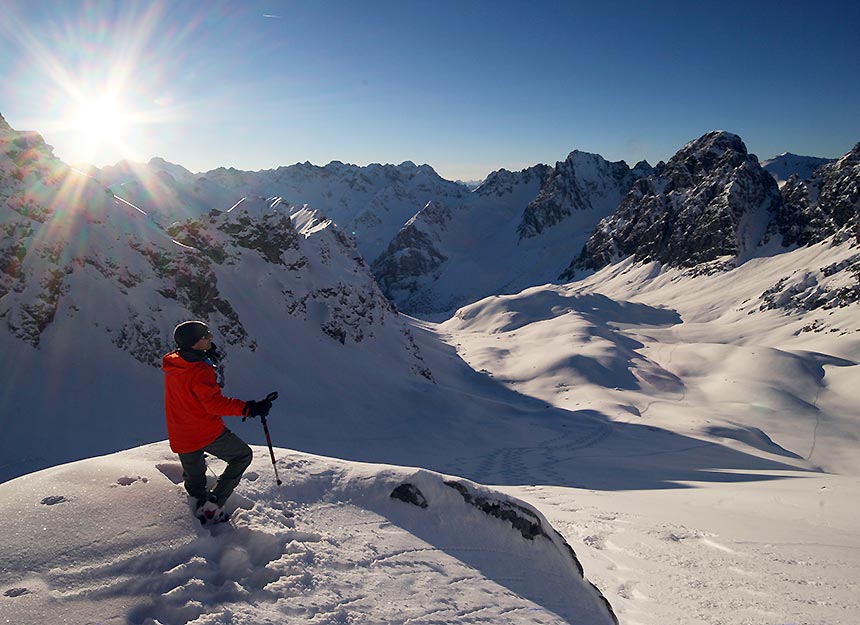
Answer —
258 408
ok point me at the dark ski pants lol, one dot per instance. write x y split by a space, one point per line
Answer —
229 448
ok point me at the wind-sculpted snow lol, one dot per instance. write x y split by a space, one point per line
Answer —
112 541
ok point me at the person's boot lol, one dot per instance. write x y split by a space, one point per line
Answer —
208 512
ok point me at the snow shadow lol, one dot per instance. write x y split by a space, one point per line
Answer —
533 442
586 449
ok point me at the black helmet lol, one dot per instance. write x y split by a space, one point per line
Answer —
188 333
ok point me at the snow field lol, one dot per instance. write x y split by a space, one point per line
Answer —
112 540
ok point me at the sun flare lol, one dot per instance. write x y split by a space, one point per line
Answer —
101 121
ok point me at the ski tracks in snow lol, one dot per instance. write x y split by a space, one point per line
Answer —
542 462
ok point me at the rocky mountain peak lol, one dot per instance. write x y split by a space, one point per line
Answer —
711 200
581 182
698 159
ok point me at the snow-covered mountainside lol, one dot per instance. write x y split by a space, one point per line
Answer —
111 541
91 288
786 165
515 230
691 431
372 203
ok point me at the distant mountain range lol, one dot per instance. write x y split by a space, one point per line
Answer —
432 245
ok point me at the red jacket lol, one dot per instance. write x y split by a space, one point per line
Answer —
193 404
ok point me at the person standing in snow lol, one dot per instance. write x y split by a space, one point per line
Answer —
194 405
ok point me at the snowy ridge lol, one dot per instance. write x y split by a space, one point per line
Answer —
786 165
370 202
344 548
514 231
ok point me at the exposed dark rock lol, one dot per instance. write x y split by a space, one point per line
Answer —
816 208
577 183
522 519
410 494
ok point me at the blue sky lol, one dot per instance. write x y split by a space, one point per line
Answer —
466 87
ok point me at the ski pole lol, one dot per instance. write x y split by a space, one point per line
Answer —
270 398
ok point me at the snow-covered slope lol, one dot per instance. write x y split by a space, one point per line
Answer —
786 165
111 541
515 230
719 484
691 433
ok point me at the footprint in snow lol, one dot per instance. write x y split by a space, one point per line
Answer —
128 481
53 500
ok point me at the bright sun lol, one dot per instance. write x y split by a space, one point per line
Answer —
101 124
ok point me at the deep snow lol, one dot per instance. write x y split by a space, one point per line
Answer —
111 540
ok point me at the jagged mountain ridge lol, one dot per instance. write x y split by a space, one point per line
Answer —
459 248
371 203
711 200
514 231
714 202
824 204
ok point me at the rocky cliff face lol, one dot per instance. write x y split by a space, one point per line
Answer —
711 200
415 252
826 203
582 182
